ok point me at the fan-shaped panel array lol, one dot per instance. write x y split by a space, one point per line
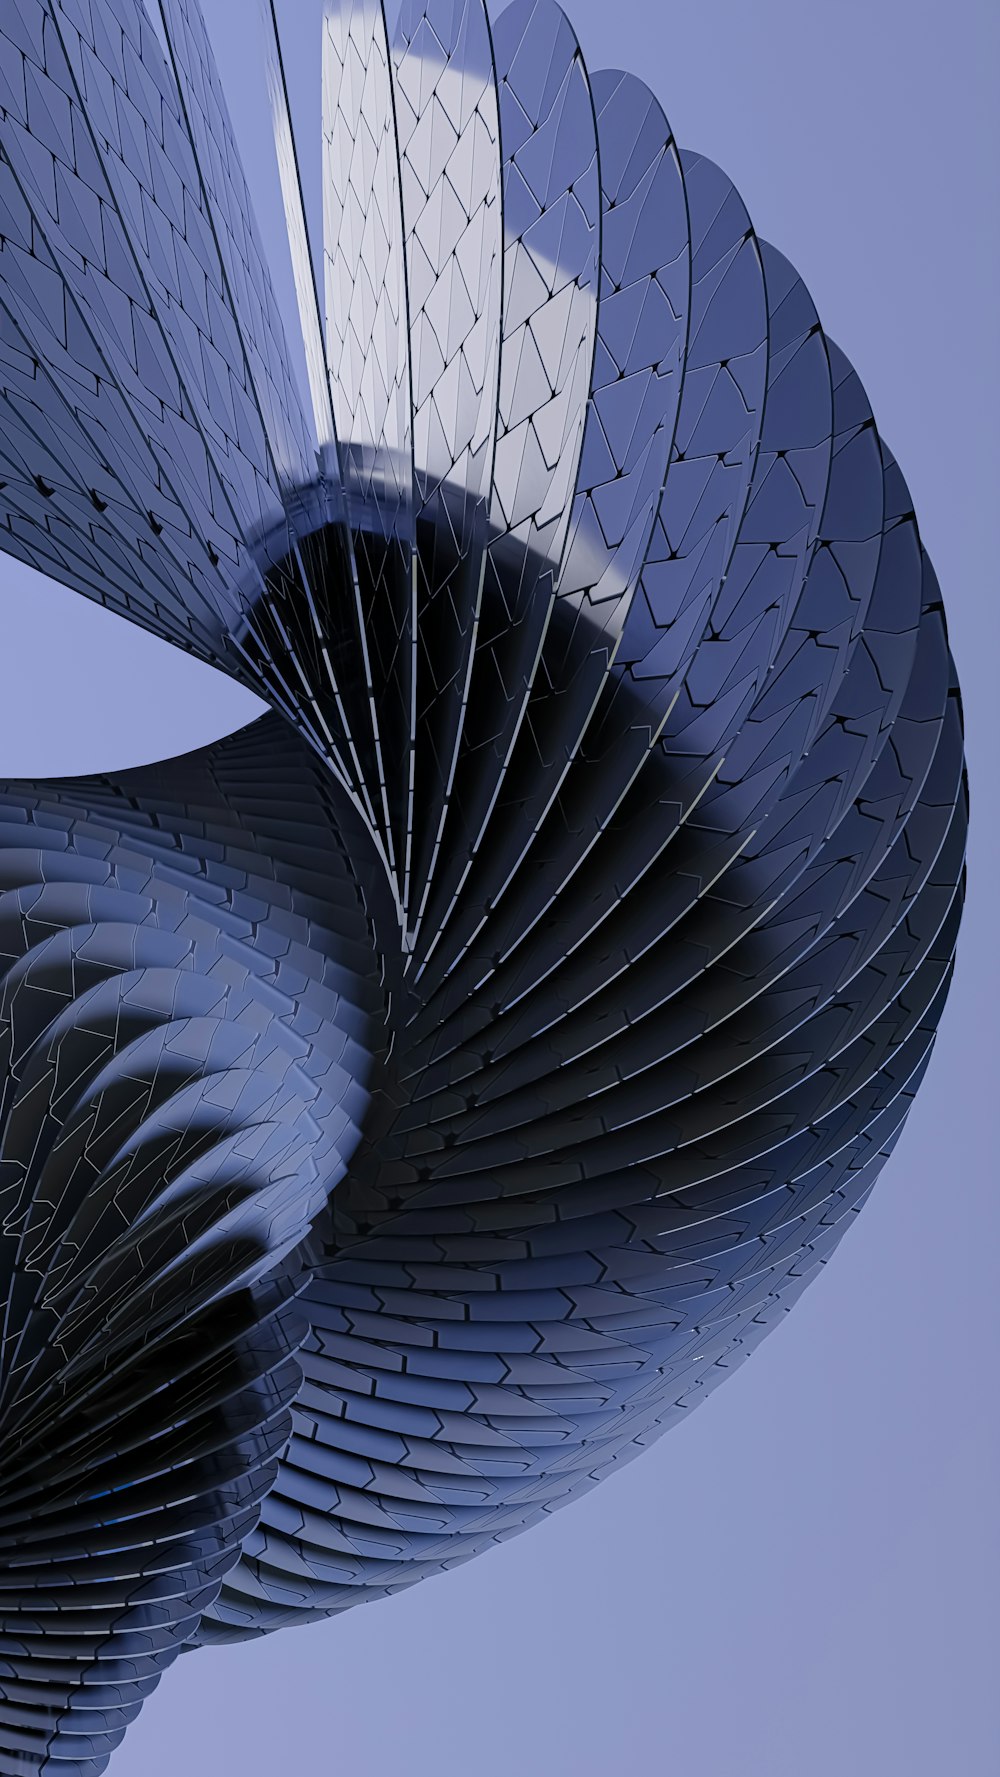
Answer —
413 1105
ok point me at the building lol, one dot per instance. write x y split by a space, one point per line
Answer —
414 1104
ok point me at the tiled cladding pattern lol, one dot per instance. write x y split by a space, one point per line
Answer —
416 1103
190 1021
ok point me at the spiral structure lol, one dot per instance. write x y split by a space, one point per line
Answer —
415 1103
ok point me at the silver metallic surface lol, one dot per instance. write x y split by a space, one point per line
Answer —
413 1105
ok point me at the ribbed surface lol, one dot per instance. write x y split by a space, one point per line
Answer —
614 1151
417 1103
187 1008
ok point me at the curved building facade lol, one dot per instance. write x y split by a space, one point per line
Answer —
415 1103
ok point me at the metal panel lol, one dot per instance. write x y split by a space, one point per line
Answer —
303 269
398 1133
368 352
631 416
449 136
229 206
551 214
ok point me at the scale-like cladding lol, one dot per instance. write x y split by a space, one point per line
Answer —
414 1104
189 1019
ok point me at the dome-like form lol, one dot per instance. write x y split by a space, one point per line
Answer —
415 1103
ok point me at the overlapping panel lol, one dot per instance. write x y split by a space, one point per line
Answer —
241 250
296 223
187 1005
104 472
368 351
717 436
495 1100
551 216
366 306
162 308
632 412
700 511
559 1254
645 296
287 650
449 138
140 467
